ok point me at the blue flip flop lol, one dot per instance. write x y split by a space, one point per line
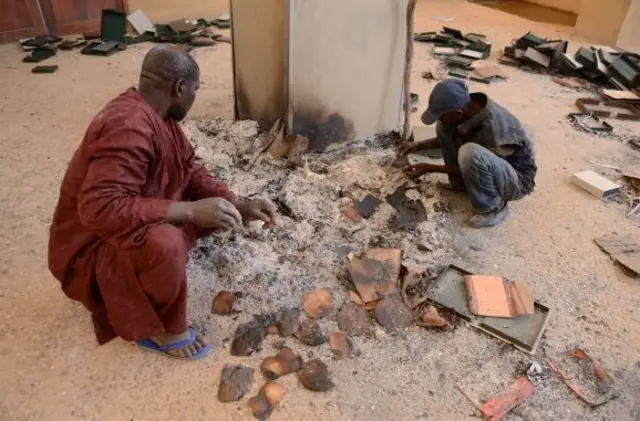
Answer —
149 345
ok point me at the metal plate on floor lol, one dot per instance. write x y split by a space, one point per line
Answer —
524 332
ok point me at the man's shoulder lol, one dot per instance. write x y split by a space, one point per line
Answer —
126 111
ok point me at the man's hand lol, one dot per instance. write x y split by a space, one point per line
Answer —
406 148
258 210
415 171
215 212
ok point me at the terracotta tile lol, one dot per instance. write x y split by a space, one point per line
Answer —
513 395
496 296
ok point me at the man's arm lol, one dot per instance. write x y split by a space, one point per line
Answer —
417 170
413 147
202 185
110 203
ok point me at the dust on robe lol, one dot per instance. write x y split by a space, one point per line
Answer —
110 245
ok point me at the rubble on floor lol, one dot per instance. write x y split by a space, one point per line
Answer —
112 36
585 377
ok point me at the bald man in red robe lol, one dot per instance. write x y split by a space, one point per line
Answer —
132 204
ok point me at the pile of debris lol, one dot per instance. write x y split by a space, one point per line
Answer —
113 37
460 53
600 64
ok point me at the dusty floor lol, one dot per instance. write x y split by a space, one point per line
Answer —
52 369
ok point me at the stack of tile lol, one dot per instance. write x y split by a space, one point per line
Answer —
458 50
600 64
533 50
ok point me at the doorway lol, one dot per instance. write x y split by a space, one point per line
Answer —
26 18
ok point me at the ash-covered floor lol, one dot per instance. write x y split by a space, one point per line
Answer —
52 369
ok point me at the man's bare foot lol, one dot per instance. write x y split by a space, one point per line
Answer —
185 351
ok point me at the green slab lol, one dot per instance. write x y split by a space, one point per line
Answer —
113 25
524 332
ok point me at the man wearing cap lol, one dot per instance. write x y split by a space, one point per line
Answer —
485 149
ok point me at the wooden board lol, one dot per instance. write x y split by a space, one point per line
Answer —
19 19
595 184
260 49
77 16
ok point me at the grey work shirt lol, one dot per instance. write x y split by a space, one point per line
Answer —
496 128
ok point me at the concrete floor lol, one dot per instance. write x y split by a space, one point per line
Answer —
52 369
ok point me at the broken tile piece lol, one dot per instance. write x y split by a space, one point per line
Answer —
314 376
235 382
223 303
317 303
431 318
354 320
285 362
287 321
513 395
595 184
496 296
367 206
340 345
350 212
376 273
248 338
393 314
310 333
267 400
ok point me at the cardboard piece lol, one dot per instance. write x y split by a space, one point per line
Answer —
623 249
140 22
490 72
376 273
504 401
595 184
496 296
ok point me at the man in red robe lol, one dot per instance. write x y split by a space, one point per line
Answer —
132 204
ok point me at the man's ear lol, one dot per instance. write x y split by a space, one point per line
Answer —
179 88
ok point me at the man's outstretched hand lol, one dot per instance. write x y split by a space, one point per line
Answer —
258 210
414 171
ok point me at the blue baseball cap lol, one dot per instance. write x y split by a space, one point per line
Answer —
448 95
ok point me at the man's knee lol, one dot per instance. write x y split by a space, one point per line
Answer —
166 245
470 155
